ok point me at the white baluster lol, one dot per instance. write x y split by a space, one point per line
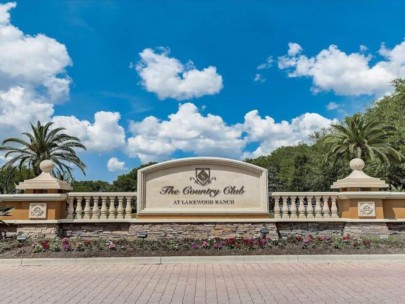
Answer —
301 208
277 207
318 210
79 210
120 209
293 208
111 211
285 206
71 209
325 209
128 208
334 210
310 207
103 208
96 210
87 210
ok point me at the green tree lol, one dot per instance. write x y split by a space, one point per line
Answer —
43 143
359 137
91 186
128 182
390 110
295 168
272 169
9 178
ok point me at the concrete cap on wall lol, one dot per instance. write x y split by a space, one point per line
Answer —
45 181
359 179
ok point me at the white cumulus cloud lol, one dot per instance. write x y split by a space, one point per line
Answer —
271 134
19 107
294 49
104 134
189 131
115 165
32 75
332 106
267 64
263 66
259 78
346 74
169 78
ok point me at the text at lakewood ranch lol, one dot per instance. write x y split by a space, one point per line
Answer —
202 186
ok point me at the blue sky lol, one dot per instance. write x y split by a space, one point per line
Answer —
141 81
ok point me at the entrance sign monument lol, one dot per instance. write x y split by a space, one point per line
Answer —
203 197
202 187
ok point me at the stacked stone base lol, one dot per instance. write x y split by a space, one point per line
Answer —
159 231
369 229
310 228
203 230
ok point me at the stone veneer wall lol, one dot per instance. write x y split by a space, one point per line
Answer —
309 228
158 231
371 229
203 230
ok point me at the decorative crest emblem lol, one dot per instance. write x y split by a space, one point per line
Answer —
202 176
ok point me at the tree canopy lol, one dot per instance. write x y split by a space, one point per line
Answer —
361 137
43 143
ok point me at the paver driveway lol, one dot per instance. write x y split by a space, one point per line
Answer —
340 282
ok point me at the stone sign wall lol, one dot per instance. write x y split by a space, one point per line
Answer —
202 186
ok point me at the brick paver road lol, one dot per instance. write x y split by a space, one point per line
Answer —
380 282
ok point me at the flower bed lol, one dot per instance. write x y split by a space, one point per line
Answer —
297 244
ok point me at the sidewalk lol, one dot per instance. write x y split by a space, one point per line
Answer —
360 258
203 280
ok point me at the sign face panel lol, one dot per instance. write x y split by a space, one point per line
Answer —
194 186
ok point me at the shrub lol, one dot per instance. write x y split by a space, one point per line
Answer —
55 245
66 244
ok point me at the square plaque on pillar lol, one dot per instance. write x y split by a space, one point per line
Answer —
366 209
38 210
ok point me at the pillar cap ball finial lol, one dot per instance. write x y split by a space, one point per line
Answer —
46 166
357 164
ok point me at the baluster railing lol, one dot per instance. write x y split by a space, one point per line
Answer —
87 210
284 210
319 205
104 209
128 208
277 210
96 211
318 210
71 209
93 211
301 208
325 207
310 207
79 209
293 207
112 209
334 211
120 209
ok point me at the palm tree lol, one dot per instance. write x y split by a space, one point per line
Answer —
357 137
4 211
43 143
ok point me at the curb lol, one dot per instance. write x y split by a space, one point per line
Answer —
253 259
